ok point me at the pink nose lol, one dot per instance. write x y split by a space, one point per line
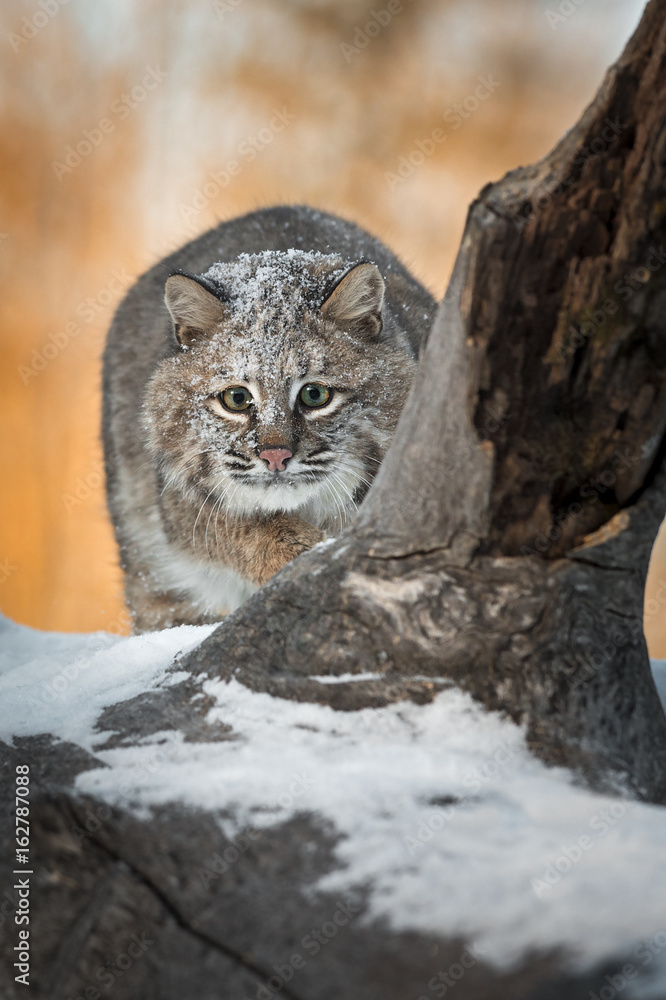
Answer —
276 457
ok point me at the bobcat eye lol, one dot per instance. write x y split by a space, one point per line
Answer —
315 394
236 398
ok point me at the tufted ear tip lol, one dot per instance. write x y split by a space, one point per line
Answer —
356 301
196 312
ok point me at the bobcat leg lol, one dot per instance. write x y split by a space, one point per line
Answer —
152 610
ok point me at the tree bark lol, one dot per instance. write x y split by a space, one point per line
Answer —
505 542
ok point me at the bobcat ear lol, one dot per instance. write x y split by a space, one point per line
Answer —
356 301
196 312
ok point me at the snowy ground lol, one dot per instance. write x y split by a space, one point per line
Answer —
454 826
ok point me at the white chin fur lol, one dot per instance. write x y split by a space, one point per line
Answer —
324 499
245 498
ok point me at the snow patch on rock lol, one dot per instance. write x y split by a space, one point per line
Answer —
445 817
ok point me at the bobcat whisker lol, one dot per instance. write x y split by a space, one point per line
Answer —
338 502
175 476
215 510
218 500
226 514
343 467
203 504
345 488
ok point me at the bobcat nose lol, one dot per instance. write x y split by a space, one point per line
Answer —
276 458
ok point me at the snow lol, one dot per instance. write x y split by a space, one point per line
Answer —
445 816
59 683
275 283
345 678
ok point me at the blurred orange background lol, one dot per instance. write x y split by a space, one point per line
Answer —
120 124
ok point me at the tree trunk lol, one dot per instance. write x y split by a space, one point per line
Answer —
506 540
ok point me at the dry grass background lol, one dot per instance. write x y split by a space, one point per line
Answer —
72 240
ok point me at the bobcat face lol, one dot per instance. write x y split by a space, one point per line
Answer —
284 390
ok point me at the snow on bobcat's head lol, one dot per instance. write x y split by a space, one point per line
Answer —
285 385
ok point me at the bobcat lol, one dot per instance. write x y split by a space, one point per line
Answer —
252 383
